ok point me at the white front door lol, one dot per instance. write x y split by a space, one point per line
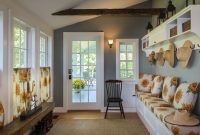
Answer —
83 67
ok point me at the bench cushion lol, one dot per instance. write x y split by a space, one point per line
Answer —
146 100
144 95
183 130
145 82
169 89
160 103
186 96
162 112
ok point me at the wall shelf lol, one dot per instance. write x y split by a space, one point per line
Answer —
179 28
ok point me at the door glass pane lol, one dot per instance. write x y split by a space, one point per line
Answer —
76 71
84 71
129 56
122 56
75 59
122 47
122 74
84 96
84 47
84 59
92 46
92 96
92 59
76 97
129 48
129 65
76 46
123 65
130 74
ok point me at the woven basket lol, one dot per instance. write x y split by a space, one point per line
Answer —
173 31
186 25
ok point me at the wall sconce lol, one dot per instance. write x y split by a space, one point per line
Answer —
110 43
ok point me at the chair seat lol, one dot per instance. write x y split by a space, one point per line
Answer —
115 100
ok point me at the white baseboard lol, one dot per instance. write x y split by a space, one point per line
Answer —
126 110
59 110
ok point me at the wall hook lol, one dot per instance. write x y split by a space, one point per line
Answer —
192 47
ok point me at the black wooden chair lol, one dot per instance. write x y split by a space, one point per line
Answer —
114 90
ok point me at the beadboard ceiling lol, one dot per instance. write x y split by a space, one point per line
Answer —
44 8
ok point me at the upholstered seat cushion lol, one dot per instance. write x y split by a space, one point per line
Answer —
169 89
146 100
186 96
183 130
162 112
145 82
142 96
160 103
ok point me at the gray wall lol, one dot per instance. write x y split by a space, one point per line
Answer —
179 4
190 74
113 27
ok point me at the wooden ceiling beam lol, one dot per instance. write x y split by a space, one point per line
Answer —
134 12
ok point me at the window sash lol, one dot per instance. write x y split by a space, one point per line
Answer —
22 48
44 43
124 73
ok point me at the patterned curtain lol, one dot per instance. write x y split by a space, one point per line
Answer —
1 115
23 91
45 81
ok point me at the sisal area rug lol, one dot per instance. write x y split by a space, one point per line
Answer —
98 127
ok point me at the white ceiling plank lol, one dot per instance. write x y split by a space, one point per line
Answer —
44 8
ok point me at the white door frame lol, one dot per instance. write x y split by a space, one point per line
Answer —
100 98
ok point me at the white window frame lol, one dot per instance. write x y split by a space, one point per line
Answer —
136 68
46 52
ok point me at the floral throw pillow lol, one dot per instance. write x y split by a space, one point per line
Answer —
1 115
186 96
169 89
145 82
156 87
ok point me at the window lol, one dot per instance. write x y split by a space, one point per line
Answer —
43 50
20 56
126 59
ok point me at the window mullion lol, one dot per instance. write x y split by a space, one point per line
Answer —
20 49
